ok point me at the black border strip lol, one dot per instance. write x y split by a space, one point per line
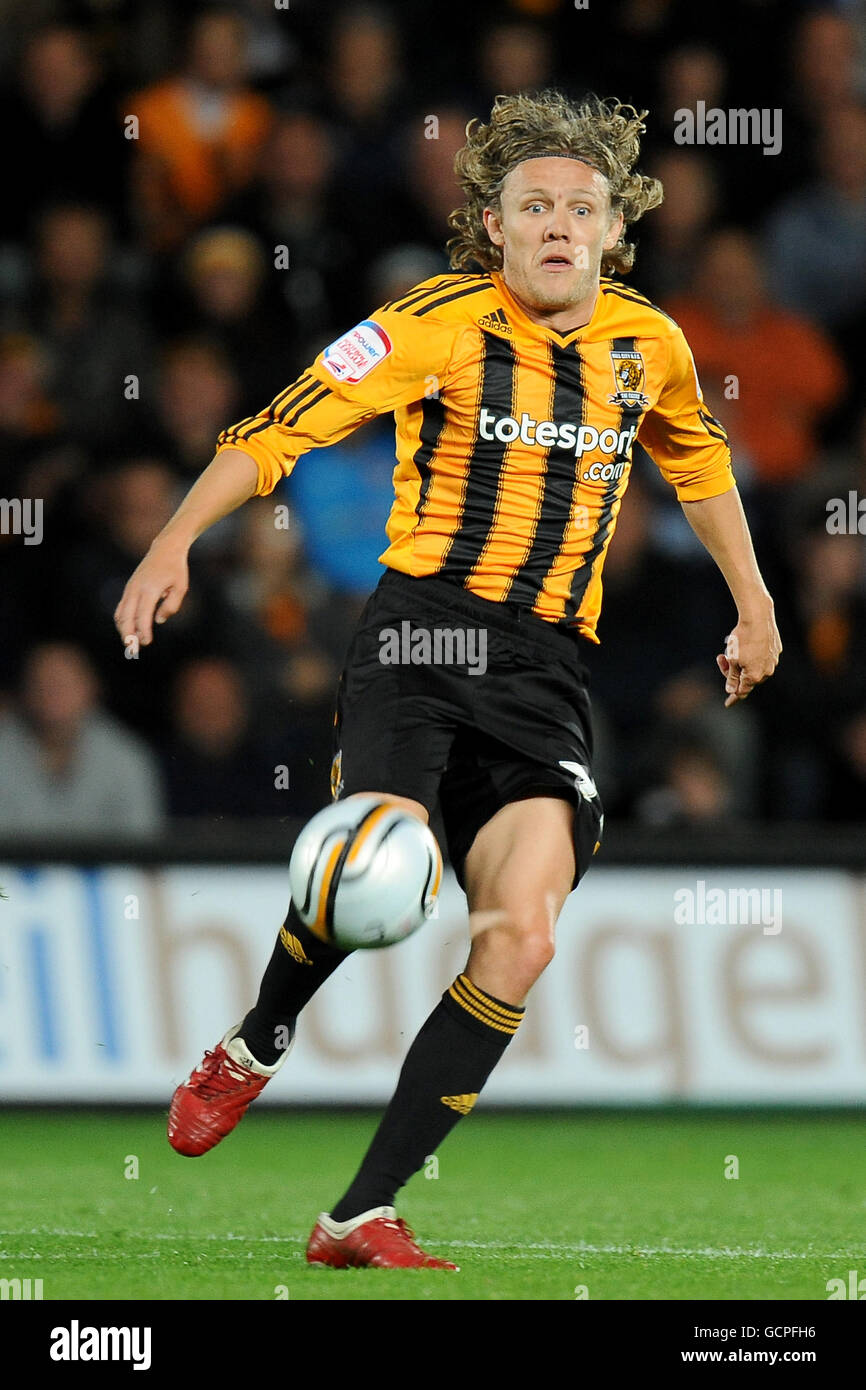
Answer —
798 844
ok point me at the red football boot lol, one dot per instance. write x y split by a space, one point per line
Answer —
207 1107
377 1238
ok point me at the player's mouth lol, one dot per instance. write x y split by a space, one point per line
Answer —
556 263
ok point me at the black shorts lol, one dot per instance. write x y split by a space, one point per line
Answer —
447 695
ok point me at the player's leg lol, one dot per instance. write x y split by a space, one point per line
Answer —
380 743
392 740
213 1100
518 873
301 962
521 830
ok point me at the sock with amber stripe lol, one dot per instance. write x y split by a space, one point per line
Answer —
444 1071
300 963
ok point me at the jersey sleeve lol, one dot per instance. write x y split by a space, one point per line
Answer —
384 362
687 443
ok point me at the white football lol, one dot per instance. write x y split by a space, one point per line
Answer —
365 873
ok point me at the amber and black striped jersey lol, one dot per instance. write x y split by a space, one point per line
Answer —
514 442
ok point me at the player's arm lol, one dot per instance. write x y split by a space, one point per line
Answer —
375 367
157 588
753 648
690 447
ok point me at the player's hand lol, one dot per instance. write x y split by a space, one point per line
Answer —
751 655
154 593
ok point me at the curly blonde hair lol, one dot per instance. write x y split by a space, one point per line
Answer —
605 134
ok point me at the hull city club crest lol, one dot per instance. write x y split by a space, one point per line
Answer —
629 376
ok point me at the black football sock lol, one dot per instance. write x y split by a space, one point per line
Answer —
299 965
445 1069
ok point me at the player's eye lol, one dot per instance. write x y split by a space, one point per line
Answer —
536 207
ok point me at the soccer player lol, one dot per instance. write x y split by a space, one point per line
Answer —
519 389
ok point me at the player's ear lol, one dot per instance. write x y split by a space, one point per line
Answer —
493 224
614 231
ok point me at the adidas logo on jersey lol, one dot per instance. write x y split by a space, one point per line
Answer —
497 321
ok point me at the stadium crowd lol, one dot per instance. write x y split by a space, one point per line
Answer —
203 197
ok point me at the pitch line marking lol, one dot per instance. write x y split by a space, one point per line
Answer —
530 1250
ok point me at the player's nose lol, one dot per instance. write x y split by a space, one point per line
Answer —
557 226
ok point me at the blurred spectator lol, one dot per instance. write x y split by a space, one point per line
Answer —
66 768
841 471
94 340
34 465
690 708
676 233
293 203
228 300
816 240
308 625
662 624
690 73
618 48
67 137
813 703
344 520
199 133
215 763
29 417
779 375
725 69
693 790
397 271
271 47
305 716
515 56
846 468
824 64
848 771
365 90
274 585
128 507
430 180
814 79
365 93
640 583
197 397
26 412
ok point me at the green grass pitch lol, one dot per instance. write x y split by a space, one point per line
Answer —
628 1205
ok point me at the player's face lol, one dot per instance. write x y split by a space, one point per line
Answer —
553 223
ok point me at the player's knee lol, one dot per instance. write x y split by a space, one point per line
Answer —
537 949
524 944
